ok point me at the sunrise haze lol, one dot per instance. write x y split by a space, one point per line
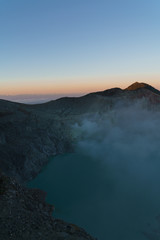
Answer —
78 46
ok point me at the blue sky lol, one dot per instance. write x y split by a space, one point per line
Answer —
63 46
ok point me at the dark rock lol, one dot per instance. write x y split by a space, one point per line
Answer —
25 215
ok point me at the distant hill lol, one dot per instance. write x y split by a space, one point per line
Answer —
135 86
136 90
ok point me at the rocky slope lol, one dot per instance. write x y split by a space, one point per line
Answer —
28 138
26 216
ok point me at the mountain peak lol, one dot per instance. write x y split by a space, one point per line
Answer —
138 85
135 86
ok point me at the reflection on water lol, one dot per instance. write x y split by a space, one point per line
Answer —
107 200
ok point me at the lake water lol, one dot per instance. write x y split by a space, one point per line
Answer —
105 199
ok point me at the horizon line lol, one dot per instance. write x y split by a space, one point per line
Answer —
74 93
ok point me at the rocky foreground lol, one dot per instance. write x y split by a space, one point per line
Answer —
26 216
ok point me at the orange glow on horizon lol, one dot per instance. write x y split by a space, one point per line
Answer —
78 86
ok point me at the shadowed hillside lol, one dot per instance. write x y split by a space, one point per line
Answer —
30 134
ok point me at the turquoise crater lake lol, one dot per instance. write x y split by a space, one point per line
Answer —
106 201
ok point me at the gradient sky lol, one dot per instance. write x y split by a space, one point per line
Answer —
78 46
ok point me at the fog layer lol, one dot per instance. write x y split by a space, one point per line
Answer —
126 141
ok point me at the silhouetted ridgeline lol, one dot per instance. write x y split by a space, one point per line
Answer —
30 134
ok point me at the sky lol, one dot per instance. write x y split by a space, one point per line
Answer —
78 46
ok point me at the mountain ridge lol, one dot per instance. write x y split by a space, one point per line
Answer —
49 125
136 86
111 92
